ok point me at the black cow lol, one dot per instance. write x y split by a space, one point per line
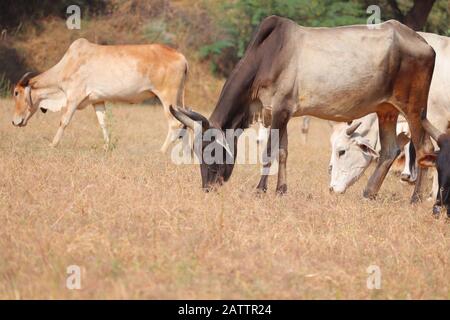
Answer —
441 160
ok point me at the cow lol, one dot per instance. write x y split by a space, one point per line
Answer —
440 160
354 146
347 168
91 74
335 74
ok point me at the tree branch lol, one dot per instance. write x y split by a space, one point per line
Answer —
398 14
418 15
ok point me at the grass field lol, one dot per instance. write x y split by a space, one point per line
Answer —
141 227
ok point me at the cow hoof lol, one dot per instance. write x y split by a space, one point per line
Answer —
415 199
282 189
369 195
261 190
436 211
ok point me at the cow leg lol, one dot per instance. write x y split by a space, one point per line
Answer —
65 120
262 134
279 122
435 189
173 95
282 159
170 99
267 162
389 152
422 144
100 111
172 134
406 173
305 129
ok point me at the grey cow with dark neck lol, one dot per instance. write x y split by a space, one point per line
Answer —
337 74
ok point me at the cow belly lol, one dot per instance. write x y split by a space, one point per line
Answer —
341 80
123 95
346 110
134 98
332 99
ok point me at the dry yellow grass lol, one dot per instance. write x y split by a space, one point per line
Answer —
141 227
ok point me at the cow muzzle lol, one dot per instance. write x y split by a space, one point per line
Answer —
19 122
336 189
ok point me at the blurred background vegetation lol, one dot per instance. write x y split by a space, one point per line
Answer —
212 34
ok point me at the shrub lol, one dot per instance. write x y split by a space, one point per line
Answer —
239 20
5 86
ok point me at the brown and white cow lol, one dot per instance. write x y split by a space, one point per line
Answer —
336 74
91 74
349 158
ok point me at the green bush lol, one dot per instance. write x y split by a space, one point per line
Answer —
156 31
239 19
5 86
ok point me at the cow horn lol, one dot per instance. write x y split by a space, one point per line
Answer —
350 130
28 96
25 79
429 128
189 119
196 117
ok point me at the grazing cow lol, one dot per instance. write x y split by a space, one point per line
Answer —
337 74
353 148
347 168
92 74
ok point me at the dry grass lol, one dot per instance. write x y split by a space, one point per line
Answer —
140 226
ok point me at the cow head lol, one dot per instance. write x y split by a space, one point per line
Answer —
440 160
210 146
24 107
351 155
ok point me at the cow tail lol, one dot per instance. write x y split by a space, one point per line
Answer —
180 98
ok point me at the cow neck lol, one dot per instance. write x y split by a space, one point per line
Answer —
232 108
46 79
232 119
43 85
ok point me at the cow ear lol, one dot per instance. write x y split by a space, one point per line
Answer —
402 140
428 160
367 148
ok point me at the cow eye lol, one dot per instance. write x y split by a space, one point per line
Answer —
341 153
16 93
364 148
